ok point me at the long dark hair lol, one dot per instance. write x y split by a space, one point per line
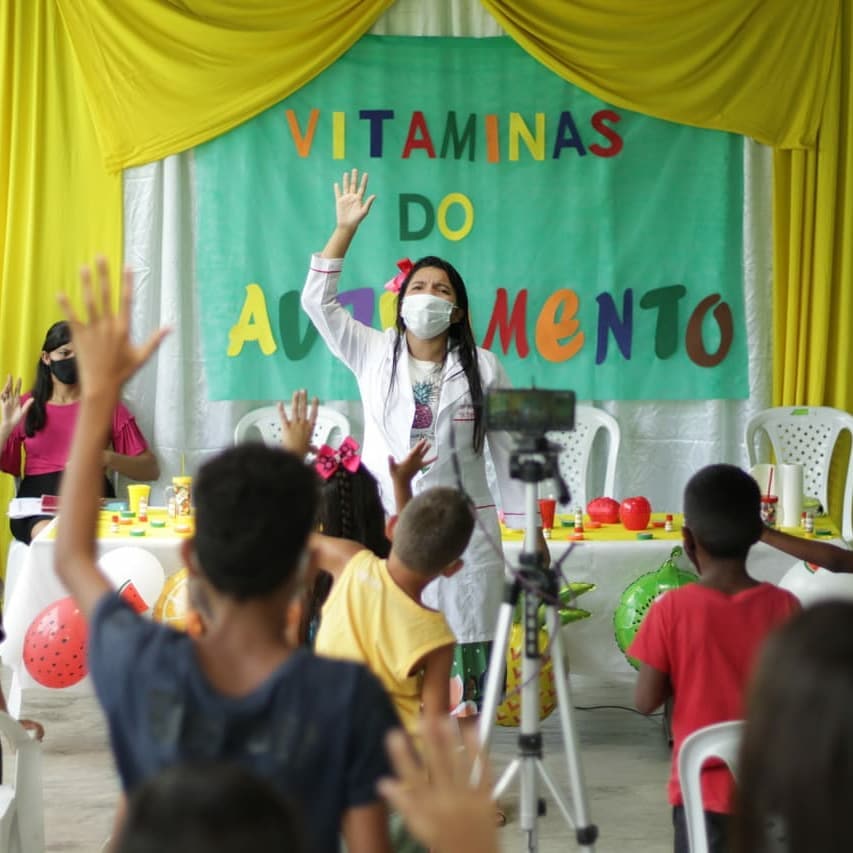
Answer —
350 508
797 751
57 335
461 338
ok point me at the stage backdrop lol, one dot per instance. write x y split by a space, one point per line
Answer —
601 248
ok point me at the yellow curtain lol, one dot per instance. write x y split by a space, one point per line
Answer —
748 66
813 252
58 206
166 75
813 263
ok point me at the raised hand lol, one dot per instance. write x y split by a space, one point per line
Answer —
404 470
105 354
438 801
350 204
296 431
11 408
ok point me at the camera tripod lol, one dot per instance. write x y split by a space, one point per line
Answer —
536 585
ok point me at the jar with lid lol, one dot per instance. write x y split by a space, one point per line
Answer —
769 505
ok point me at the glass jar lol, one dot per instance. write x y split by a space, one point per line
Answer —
768 509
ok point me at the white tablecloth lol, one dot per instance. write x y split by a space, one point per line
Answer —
612 566
35 586
592 649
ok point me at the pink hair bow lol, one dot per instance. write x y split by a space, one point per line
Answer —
328 460
405 267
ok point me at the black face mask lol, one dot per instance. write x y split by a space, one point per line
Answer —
65 371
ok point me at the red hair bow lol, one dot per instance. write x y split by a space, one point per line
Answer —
328 459
405 267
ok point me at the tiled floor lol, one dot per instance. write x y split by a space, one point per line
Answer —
624 757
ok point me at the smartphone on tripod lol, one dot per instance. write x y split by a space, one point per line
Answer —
530 414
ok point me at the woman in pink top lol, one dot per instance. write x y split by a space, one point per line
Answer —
42 422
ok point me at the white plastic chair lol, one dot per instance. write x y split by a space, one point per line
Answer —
806 435
721 740
21 803
576 457
264 424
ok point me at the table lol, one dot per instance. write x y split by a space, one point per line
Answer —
612 558
36 585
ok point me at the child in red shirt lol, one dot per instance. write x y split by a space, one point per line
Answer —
698 643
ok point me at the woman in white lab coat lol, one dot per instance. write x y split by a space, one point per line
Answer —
426 378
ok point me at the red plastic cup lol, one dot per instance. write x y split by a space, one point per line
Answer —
547 508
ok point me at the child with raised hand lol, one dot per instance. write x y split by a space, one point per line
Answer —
697 644
350 505
374 613
242 691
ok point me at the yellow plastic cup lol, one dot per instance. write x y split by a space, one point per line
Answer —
137 492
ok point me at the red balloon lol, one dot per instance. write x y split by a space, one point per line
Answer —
55 645
635 513
603 510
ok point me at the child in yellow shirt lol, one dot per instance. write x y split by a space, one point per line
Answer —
374 613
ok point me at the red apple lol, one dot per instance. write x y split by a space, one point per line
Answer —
603 510
635 513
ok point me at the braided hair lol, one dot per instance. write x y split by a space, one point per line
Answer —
350 508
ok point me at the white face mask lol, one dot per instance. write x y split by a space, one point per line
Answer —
426 316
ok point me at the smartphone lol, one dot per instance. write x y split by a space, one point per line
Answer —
533 411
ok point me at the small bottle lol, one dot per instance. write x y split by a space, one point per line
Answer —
809 522
667 524
172 507
578 520
114 526
768 509
803 519
142 515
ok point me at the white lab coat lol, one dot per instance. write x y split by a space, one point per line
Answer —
471 598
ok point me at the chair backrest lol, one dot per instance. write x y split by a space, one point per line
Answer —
21 804
577 454
263 424
721 740
806 435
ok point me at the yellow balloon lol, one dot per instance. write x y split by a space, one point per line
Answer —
509 711
172 605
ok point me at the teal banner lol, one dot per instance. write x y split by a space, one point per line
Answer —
601 248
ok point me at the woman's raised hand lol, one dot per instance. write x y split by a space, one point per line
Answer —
350 204
11 408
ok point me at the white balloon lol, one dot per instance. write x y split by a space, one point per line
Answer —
814 585
136 566
798 578
828 586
